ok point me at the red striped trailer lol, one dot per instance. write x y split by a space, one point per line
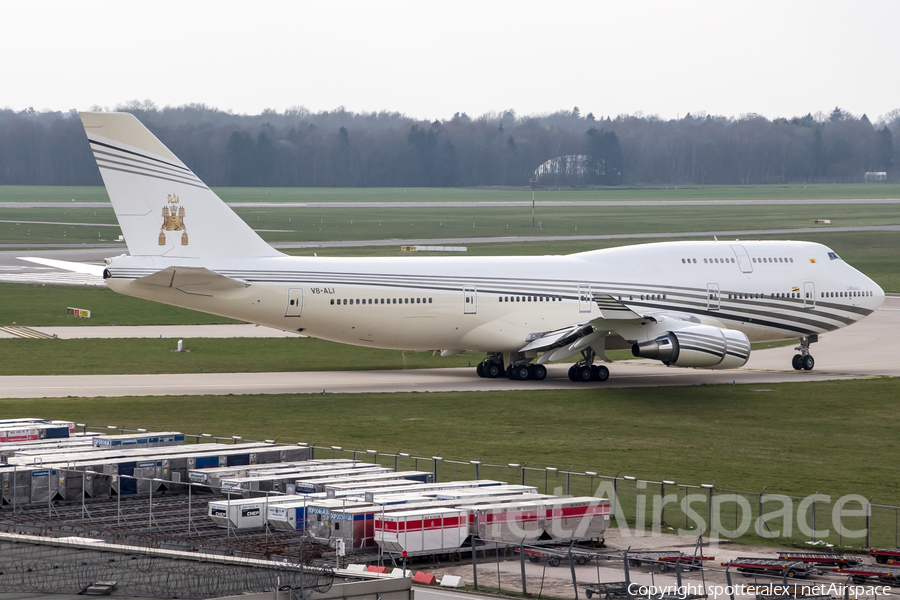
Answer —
551 520
862 573
432 530
667 559
883 555
747 566
820 558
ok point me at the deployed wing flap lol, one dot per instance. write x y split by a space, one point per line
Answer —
193 280
551 339
612 309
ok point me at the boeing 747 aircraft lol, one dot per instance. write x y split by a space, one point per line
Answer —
687 304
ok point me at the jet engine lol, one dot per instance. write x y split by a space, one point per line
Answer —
698 346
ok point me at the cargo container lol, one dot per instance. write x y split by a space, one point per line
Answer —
281 482
559 520
356 525
354 488
213 476
430 530
243 513
319 485
140 440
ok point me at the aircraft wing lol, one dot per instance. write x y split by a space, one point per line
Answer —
193 280
563 343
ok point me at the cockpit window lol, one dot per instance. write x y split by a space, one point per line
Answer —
833 256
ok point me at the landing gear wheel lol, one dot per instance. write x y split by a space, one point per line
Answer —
492 370
479 369
539 372
808 362
572 375
521 372
602 373
585 373
795 362
509 372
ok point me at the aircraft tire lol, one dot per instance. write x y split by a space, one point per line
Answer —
492 370
808 362
479 369
539 373
795 362
522 372
572 375
602 373
584 374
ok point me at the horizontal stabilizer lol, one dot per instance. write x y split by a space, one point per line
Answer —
192 280
75 267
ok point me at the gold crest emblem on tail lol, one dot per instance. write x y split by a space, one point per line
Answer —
173 220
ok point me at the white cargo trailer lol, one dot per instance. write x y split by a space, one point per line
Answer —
428 530
558 519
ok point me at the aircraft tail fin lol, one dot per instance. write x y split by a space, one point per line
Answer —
162 207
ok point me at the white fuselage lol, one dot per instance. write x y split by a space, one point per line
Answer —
770 290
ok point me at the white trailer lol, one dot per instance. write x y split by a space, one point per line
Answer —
557 519
243 513
428 530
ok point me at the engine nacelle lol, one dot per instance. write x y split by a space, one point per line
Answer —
698 346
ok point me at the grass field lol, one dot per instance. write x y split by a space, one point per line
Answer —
230 355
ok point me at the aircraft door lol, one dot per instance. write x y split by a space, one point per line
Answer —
470 302
712 296
743 258
294 303
585 299
809 294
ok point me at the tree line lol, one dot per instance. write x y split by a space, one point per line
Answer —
344 149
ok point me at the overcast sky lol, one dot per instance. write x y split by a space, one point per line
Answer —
430 59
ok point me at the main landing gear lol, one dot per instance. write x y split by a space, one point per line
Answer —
804 361
520 370
585 370
491 367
